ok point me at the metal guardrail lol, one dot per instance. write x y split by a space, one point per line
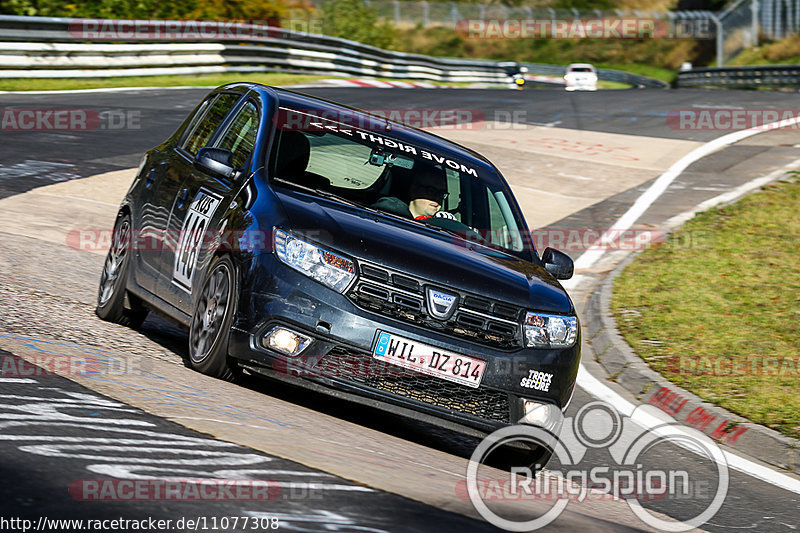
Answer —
47 47
741 77
639 82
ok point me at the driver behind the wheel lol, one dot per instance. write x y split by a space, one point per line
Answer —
427 193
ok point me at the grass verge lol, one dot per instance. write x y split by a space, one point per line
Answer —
601 84
201 80
658 73
715 307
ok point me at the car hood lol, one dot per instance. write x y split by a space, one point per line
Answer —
423 252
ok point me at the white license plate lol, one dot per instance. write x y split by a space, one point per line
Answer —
428 360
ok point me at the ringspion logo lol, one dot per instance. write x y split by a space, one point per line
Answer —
623 476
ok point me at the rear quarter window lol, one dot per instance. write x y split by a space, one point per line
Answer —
240 138
204 129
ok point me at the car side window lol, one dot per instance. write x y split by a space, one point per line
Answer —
205 128
505 231
241 135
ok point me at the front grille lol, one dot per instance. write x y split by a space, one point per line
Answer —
402 297
363 368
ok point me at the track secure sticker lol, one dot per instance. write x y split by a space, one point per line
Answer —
191 237
537 381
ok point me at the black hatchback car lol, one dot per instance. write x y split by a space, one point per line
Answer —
280 229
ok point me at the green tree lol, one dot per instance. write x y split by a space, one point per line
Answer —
148 9
352 19
239 9
99 8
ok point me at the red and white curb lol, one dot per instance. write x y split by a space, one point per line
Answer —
380 84
595 386
546 79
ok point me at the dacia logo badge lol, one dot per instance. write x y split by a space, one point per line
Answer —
441 304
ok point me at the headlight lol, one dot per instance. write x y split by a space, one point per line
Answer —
321 265
550 331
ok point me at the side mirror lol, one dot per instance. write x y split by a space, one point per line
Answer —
558 263
216 162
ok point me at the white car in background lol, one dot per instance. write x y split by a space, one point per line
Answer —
581 77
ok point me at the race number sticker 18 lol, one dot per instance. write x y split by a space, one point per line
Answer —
191 237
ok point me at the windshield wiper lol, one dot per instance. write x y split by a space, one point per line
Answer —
479 246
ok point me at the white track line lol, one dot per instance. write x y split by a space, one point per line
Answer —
597 388
643 203
603 392
730 196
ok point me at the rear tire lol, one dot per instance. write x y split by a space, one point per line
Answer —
114 280
211 321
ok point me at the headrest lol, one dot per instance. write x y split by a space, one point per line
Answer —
293 153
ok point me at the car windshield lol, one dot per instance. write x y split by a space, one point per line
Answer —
581 69
425 184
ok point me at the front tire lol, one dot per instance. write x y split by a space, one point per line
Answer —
114 280
211 321
527 455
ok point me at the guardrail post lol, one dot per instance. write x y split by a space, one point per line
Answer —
720 40
796 16
754 11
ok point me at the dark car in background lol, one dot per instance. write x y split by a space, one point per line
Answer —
257 226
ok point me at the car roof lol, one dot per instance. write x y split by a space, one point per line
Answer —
580 65
398 131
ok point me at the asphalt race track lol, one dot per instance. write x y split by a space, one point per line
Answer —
59 436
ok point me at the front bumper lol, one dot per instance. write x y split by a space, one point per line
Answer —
339 359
